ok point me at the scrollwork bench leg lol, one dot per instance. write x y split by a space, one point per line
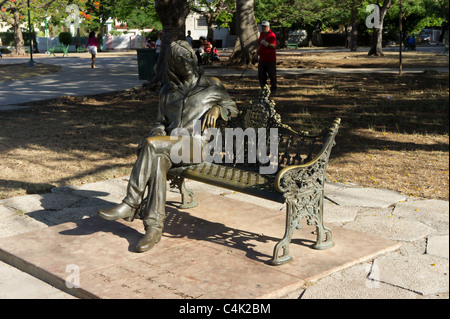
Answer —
324 238
179 182
284 243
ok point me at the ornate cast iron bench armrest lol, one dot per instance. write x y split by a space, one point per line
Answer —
324 153
303 189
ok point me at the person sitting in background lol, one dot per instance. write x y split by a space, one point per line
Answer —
210 49
201 50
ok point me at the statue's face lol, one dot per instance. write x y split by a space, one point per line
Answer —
184 64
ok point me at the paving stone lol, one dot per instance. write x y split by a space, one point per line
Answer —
431 212
424 274
381 222
36 202
438 246
18 224
361 197
6 212
112 191
417 247
333 213
15 284
352 283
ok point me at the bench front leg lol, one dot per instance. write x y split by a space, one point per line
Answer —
179 182
303 188
324 237
284 258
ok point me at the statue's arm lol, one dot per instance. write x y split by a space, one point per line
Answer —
159 128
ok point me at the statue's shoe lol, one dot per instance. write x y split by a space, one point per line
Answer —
117 212
151 238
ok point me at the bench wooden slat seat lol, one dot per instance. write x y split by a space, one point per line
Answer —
235 179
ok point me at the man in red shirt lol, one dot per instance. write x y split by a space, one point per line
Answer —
267 57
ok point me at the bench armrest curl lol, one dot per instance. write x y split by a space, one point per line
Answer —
307 175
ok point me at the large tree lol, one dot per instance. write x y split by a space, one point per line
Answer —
13 13
247 33
377 37
172 14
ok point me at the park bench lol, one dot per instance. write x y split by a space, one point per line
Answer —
297 181
64 49
292 46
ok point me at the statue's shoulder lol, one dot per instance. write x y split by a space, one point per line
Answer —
213 81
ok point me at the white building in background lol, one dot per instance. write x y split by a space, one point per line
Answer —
196 23
3 26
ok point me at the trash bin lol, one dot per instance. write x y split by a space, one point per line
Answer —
146 63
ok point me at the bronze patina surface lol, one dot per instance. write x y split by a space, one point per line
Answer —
185 98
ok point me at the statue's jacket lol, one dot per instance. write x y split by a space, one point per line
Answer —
179 109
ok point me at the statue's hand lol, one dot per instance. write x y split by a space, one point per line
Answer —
211 117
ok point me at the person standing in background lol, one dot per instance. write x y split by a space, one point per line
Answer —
92 45
189 37
158 44
267 57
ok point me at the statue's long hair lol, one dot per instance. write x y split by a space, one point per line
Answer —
172 51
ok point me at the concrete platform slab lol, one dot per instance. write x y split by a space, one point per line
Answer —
219 249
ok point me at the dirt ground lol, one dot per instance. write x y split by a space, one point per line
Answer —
394 130
10 72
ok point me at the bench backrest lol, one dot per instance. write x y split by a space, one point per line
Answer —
294 148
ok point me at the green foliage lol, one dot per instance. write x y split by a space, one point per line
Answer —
65 38
7 38
417 15
306 14
138 14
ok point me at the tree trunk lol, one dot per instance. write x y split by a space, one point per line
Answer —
284 37
377 42
354 31
377 39
172 14
18 36
35 46
247 32
210 21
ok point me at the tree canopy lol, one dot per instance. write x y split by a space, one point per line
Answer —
310 15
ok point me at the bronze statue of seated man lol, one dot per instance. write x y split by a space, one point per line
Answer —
186 97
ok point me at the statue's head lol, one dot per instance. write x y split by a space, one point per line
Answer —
180 62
